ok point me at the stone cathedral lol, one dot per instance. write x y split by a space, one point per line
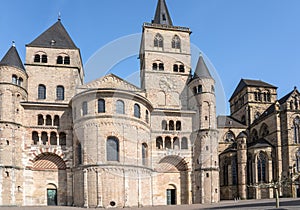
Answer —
109 143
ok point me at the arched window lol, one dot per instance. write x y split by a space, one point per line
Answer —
178 125
20 81
84 108
175 68
44 59
158 41
181 68
62 139
137 111
40 120
268 97
234 170
56 120
60 92
53 138
120 107
147 116
176 143
101 105
35 137
67 60
159 143
42 92
44 138
112 149
297 130
298 161
144 154
59 60
164 125
48 120
14 79
79 153
161 67
154 66
176 43
199 89
184 143
37 58
254 135
264 130
261 167
229 136
168 143
171 125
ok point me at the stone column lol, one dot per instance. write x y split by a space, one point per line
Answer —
99 189
242 165
85 189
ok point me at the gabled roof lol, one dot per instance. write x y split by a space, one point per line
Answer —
287 96
250 83
229 122
12 58
162 15
54 37
112 81
201 70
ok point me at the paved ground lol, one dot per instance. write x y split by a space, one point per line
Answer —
249 204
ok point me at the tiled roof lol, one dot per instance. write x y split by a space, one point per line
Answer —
201 70
228 121
252 83
54 37
12 58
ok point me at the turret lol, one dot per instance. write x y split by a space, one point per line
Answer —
242 165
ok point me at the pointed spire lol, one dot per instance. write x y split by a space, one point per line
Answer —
12 58
54 37
162 15
201 69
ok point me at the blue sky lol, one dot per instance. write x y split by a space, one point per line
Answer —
243 39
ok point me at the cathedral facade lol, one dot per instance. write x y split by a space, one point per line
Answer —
109 143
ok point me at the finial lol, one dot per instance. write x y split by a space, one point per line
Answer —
59 16
295 87
13 43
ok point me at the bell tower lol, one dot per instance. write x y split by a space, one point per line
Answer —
165 60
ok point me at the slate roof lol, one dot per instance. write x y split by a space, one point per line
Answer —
259 143
12 58
54 37
162 15
231 148
229 122
252 83
201 70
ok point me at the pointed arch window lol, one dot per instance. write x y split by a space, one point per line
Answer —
261 167
137 111
42 92
120 107
60 92
112 149
264 130
234 170
229 137
176 42
297 130
101 105
158 41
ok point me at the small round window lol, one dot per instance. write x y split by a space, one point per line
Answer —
112 203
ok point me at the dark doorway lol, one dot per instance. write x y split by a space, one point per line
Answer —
51 197
171 197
